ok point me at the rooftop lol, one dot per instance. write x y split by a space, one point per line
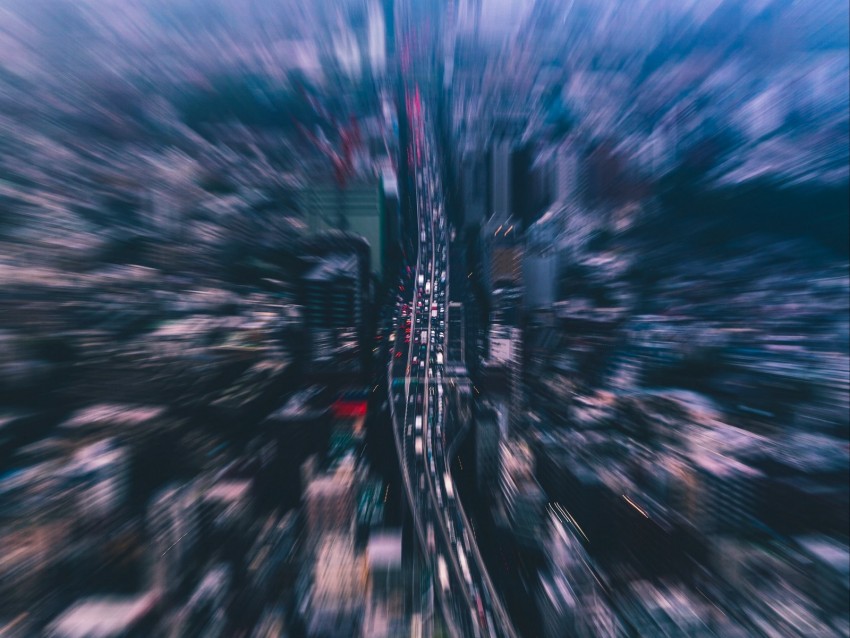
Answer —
229 491
384 551
113 414
828 551
332 267
723 465
298 405
102 617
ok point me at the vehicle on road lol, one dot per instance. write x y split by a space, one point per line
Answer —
464 567
443 573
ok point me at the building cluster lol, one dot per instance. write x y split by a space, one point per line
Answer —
194 220
196 229
129 332
142 190
687 412
129 520
701 500
628 81
352 582
678 368
124 521
523 502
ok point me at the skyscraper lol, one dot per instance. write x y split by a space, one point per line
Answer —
501 192
173 521
335 294
487 439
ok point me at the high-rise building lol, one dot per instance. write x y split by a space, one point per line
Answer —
227 512
578 486
540 260
500 353
456 347
507 306
335 292
301 431
377 39
370 511
540 275
501 182
391 209
100 474
388 9
473 188
336 605
332 293
504 371
523 500
509 179
657 610
567 182
360 208
469 16
273 557
108 616
330 500
488 437
557 179
728 493
505 265
501 254
558 605
518 412
825 563
173 523
205 612
386 586
525 503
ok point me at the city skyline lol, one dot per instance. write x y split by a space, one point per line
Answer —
479 318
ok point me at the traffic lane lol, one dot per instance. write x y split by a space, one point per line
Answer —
478 577
425 378
427 427
455 521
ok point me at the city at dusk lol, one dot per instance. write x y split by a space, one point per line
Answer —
425 318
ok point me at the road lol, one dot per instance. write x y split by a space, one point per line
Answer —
418 395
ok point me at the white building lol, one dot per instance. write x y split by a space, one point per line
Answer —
106 617
337 602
